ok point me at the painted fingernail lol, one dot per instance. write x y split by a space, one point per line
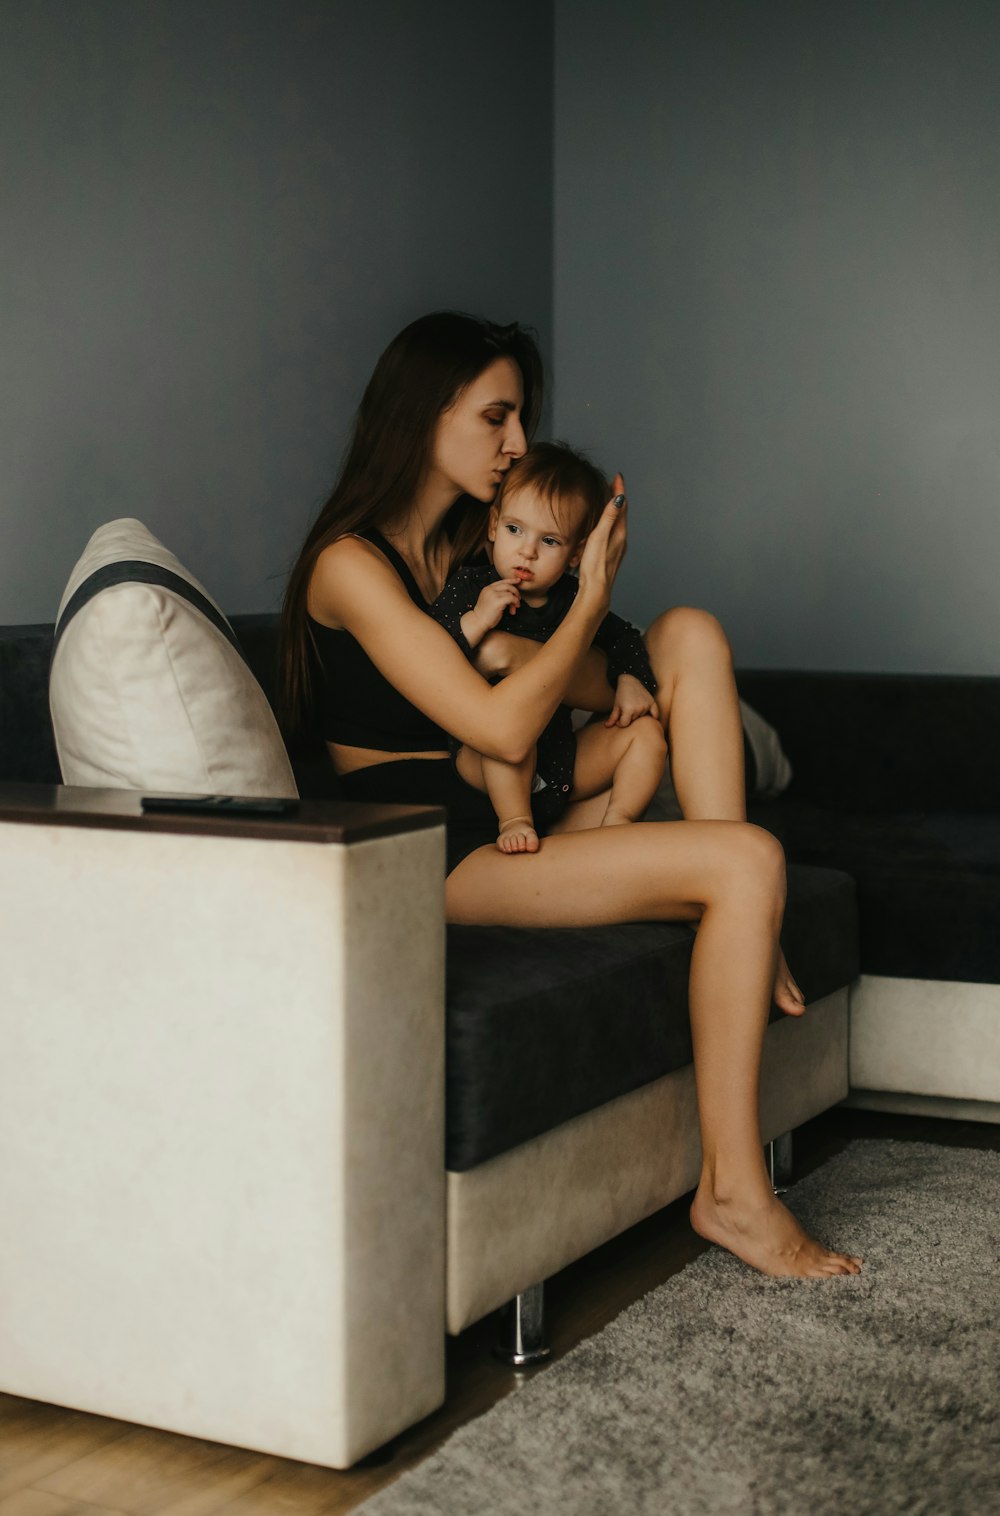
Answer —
619 500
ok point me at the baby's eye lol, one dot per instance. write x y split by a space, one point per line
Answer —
512 528
552 542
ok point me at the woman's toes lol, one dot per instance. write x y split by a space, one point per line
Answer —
786 994
840 1263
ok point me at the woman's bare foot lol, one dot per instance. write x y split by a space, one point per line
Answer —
766 1235
517 835
786 994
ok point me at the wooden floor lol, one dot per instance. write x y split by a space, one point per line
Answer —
55 1462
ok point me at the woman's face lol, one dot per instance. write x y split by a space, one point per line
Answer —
480 435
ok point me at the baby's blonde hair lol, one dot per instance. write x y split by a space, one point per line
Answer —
560 474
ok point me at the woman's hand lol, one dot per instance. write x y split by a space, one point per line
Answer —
605 548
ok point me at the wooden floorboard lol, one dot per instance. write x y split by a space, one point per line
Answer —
56 1462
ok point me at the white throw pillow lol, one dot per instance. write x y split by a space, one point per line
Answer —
147 691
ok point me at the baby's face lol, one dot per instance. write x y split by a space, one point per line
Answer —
532 542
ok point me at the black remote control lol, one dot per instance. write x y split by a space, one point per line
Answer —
224 805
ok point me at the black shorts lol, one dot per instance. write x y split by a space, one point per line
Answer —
429 781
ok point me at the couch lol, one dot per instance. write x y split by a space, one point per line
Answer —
269 1131
897 781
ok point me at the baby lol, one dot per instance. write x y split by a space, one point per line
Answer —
537 527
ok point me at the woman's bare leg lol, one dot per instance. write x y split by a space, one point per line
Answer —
728 877
509 788
696 693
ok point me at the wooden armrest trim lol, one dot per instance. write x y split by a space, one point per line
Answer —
323 821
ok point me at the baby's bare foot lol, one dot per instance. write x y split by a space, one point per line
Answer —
766 1235
517 836
786 994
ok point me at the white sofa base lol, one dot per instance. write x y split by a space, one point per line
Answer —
521 1217
924 1105
925 1038
221 1132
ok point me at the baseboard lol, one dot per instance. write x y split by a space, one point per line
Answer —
924 1105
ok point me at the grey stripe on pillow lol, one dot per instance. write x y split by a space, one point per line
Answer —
135 571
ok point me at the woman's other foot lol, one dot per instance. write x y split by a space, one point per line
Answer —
786 994
765 1234
517 836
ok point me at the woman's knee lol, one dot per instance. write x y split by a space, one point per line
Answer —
686 632
756 863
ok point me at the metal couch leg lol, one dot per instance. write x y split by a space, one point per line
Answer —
521 1341
779 1162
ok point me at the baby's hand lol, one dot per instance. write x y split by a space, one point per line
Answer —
632 700
502 595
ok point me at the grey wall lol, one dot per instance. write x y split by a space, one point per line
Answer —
777 285
214 217
778 310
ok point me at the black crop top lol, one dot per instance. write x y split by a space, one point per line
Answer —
357 704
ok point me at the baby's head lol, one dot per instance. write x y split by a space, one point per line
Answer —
545 508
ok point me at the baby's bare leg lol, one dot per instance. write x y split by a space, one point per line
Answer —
509 788
630 759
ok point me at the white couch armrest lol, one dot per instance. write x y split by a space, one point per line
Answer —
222 1119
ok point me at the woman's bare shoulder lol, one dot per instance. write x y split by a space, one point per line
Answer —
349 548
343 570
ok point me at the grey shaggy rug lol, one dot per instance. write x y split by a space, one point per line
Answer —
726 1392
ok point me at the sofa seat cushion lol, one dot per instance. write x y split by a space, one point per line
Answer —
545 1024
928 884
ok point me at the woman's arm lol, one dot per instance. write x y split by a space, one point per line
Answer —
502 653
355 588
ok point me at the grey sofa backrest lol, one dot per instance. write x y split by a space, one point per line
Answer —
27 747
885 742
869 742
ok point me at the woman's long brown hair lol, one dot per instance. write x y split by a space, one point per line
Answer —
420 374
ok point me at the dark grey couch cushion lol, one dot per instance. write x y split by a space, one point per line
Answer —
546 1024
27 746
885 743
928 883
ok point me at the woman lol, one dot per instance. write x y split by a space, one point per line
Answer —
447 412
